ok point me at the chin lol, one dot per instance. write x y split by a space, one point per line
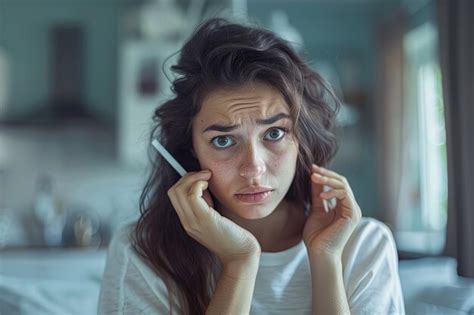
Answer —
253 211
254 215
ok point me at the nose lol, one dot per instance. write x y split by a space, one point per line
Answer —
253 163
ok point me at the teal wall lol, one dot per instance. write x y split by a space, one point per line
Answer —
332 30
24 27
424 12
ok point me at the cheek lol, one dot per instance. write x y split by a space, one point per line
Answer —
287 166
285 159
223 172
283 167
222 181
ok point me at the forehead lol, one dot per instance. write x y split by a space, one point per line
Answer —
257 100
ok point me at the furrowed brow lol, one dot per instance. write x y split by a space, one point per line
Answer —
266 121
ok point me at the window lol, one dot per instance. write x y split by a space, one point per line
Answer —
423 195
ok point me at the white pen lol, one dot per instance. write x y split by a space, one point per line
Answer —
168 157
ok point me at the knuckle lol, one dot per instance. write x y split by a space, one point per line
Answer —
192 192
192 195
179 191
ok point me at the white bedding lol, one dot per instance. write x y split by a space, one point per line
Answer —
432 286
50 282
68 282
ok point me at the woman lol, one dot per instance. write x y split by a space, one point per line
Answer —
258 225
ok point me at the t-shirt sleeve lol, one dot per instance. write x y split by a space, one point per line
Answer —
129 285
371 275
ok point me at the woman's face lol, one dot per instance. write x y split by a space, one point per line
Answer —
244 136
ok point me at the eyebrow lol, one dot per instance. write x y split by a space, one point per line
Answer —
266 121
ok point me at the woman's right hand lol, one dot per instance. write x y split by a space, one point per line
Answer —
193 204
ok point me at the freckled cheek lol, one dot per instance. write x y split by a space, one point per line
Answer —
282 159
223 172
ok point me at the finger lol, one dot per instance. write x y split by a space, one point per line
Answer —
346 195
326 172
340 194
185 195
179 195
184 182
348 209
318 204
329 174
324 180
183 186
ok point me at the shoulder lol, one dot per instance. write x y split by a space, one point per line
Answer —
122 257
369 236
129 283
370 250
370 273
372 227
120 253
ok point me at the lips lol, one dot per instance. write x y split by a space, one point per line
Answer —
253 190
254 198
254 194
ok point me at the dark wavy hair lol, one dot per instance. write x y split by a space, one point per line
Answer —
221 54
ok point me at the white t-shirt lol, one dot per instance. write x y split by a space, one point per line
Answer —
283 284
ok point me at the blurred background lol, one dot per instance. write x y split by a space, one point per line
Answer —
79 80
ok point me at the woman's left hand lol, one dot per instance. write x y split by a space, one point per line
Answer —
327 229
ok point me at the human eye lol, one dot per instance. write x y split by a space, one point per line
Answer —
221 142
276 133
